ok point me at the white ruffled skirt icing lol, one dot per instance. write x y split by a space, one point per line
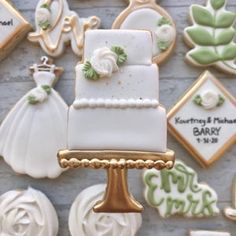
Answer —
31 136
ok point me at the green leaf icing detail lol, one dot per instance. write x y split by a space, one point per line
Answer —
221 101
32 100
229 52
47 89
45 25
212 36
225 37
45 5
198 100
164 21
217 4
204 56
202 16
120 52
89 72
177 191
200 36
163 46
225 19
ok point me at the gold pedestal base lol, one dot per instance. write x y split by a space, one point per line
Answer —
117 198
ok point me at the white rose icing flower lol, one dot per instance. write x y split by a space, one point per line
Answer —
43 14
39 94
209 100
27 213
83 221
104 61
165 33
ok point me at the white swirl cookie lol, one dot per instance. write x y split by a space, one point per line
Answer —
84 222
57 25
154 19
212 36
27 213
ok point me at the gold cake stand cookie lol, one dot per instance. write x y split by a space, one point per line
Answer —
117 197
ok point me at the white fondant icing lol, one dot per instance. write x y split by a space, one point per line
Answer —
136 43
27 213
22 134
65 26
84 222
208 233
120 129
196 117
115 103
103 61
149 22
129 82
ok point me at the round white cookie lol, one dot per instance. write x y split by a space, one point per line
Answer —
27 213
83 221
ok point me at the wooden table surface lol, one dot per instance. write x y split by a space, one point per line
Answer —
175 77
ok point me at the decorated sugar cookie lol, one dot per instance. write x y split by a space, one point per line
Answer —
209 233
57 25
13 28
231 212
35 129
83 221
204 120
147 15
212 36
27 213
178 192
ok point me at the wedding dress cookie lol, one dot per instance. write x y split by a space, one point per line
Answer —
147 15
13 28
57 25
27 213
35 129
212 36
178 192
83 221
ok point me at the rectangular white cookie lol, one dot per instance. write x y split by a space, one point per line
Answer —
136 43
131 82
209 233
118 129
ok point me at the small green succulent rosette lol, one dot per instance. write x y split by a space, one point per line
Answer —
43 15
209 100
212 36
165 34
104 62
39 94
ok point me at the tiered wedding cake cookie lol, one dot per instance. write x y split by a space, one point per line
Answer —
117 95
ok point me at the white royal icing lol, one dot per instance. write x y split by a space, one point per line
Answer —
104 61
27 213
121 113
40 113
115 103
43 14
165 33
83 221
